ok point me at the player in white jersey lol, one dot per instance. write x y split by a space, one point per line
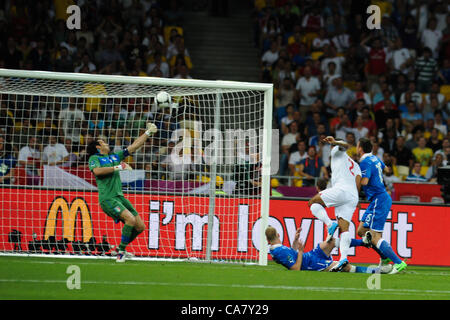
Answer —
343 196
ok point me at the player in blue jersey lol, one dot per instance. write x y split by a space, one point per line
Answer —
372 223
318 259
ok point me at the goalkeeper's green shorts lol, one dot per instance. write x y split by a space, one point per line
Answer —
113 207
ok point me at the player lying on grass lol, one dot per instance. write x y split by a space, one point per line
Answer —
318 259
106 167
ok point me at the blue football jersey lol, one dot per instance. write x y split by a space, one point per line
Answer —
372 168
283 255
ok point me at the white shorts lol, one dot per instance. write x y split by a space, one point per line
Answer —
344 202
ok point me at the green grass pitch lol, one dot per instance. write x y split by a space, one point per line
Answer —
46 278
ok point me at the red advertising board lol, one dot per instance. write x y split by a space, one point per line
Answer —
177 226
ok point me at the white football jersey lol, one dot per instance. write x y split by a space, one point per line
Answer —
344 170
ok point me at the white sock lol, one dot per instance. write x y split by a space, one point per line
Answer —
320 213
337 241
344 244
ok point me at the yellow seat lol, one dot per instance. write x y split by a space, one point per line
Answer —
423 170
445 90
316 55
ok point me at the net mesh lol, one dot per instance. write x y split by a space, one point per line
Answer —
196 183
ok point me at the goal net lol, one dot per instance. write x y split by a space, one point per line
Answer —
200 184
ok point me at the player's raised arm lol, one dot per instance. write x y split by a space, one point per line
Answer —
341 143
139 142
298 245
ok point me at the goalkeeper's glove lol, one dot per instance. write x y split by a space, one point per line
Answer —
122 166
151 129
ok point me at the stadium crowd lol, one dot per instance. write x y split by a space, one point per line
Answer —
117 37
334 76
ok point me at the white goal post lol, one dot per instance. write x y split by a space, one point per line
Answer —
201 184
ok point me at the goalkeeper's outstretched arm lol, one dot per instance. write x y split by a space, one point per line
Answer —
139 142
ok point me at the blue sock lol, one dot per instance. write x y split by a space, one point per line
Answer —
356 243
366 270
382 256
387 251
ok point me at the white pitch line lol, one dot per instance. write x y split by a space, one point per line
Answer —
265 287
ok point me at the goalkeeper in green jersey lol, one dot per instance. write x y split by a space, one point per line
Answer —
106 167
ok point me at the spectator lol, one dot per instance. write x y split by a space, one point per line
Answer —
288 119
313 21
432 172
389 140
71 121
297 156
368 121
409 33
320 41
12 57
330 55
321 130
359 130
330 75
411 94
439 122
351 150
426 68
431 37
270 56
386 112
54 153
7 163
85 64
286 94
389 179
308 88
30 158
443 74
412 116
422 153
311 167
434 143
377 60
402 156
110 54
399 59
338 96
415 175
344 127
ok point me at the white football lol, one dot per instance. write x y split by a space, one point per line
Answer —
163 99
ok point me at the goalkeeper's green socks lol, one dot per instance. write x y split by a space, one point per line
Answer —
134 234
127 231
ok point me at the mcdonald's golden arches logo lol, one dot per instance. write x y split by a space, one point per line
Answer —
69 217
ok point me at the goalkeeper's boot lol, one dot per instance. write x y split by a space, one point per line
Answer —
367 240
121 256
398 267
385 266
340 266
331 231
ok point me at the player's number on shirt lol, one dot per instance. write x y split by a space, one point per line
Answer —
352 165
380 171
